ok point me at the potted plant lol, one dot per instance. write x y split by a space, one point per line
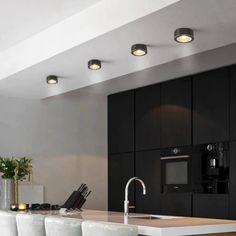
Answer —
12 171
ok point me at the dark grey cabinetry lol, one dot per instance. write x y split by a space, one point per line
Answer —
200 109
121 122
147 117
120 170
211 205
176 113
233 103
178 204
148 169
232 177
211 106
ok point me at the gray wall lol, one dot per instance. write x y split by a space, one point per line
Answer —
67 138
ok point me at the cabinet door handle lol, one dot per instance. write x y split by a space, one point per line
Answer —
131 207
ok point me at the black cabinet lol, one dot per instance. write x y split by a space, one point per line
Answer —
177 204
232 177
148 169
233 103
211 205
176 112
147 119
211 106
120 170
121 122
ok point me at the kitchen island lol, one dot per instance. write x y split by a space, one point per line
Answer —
166 225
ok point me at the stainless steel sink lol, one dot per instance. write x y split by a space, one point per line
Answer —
146 217
153 217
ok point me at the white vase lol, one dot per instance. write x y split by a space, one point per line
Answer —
6 193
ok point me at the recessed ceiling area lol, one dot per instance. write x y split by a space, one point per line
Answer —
80 28
187 66
213 25
21 19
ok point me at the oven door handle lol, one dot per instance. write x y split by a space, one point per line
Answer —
174 157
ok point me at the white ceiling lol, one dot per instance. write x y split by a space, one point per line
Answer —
22 19
213 22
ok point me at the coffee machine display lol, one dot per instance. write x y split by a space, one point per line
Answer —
214 168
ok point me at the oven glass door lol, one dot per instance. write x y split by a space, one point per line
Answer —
176 174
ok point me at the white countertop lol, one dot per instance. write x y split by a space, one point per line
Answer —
168 226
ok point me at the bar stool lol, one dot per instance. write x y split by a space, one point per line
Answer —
8 224
93 228
61 226
30 225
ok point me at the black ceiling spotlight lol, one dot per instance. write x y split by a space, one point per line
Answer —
94 64
52 79
184 35
139 49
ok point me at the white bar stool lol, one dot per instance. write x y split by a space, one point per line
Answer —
94 228
8 224
60 226
30 225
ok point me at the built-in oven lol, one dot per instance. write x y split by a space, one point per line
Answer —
176 169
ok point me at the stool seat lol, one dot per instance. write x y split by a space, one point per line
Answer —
61 226
8 224
30 225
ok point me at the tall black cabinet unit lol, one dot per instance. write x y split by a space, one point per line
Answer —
120 169
147 117
211 106
232 187
176 115
233 103
191 112
233 143
148 169
121 122
120 148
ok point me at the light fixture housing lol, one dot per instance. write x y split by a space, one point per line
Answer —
184 35
94 64
139 50
52 79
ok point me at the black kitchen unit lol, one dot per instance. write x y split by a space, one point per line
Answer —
148 117
120 169
176 116
177 204
121 122
211 205
196 113
211 106
233 103
232 174
232 171
147 167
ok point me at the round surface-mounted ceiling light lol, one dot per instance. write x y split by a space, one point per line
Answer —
184 35
139 49
52 79
94 64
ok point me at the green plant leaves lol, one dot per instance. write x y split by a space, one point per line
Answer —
17 169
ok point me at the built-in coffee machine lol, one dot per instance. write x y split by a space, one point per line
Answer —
213 173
